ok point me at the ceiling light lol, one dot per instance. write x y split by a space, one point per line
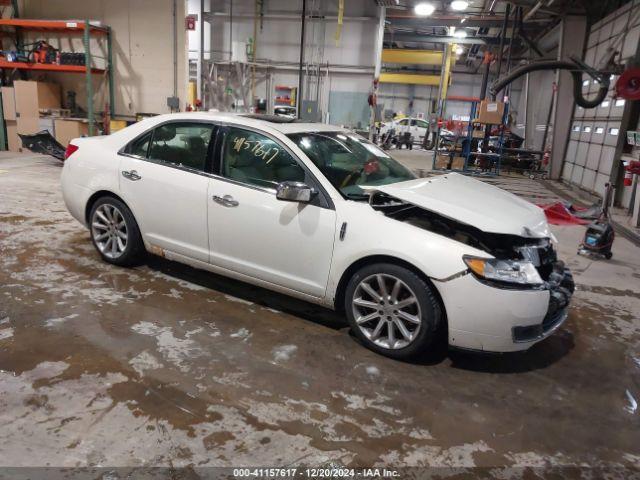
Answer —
460 34
459 50
459 5
424 9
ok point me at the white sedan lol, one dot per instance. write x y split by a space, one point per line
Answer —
417 127
319 213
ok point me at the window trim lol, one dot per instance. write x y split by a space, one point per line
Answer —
208 159
214 158
324 199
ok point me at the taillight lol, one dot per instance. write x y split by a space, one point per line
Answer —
71 149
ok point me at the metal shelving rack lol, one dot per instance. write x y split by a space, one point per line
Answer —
72 27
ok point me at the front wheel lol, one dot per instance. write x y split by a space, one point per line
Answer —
115 233
393 311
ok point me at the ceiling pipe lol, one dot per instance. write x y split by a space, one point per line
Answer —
428 38
535 8
503 35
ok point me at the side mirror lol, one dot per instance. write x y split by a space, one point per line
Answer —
294 192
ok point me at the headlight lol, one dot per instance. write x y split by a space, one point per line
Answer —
513 272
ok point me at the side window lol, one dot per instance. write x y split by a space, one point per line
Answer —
139 146
423 124
404 122
414 122
255 159
181 143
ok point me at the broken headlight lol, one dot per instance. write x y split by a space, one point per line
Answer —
505 272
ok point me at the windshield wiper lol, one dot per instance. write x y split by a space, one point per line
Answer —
357 196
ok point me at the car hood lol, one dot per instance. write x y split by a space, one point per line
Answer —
473 202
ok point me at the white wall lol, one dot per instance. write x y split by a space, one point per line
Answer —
142 49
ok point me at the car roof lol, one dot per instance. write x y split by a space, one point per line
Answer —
281 124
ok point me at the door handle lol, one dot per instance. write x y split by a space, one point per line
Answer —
132 175
227 201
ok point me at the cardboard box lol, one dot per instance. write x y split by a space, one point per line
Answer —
13 140
68 129
442 162
115 125
491 112
28 125
8 104
457 163
30 97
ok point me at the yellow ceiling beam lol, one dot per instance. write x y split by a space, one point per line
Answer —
410 78
415 57
448 66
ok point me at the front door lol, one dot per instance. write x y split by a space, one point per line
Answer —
251 232
418 129
162 181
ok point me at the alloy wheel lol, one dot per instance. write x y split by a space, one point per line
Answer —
109 230
387 311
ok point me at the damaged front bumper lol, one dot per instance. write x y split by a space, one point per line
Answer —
503 320
561 287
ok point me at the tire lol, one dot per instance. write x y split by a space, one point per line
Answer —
422 319
112 223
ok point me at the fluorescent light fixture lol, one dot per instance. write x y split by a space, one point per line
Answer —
460 34
424 9
459 5
459 50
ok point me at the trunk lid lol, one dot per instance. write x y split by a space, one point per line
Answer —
473 202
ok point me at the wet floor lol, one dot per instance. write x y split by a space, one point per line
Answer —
165 365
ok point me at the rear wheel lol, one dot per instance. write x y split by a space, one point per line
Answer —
115 233
393 311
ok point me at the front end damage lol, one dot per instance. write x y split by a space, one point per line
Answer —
522 329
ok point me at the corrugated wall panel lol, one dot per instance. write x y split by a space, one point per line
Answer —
596 132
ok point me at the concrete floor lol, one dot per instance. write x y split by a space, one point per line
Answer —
164 365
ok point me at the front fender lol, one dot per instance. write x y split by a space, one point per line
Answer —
369 233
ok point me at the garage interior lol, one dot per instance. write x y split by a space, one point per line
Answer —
169 367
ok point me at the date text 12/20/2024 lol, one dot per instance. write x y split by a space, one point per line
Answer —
285 473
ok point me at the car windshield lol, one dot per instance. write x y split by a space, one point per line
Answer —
350 162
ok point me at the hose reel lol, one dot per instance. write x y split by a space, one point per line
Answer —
576 67
628 85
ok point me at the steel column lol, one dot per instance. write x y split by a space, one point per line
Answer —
300 68
86 37
112 94
377 68
200 63
572 40
503 34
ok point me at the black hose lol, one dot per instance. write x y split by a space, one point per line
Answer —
576 73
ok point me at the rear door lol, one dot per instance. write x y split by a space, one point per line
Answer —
164 183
